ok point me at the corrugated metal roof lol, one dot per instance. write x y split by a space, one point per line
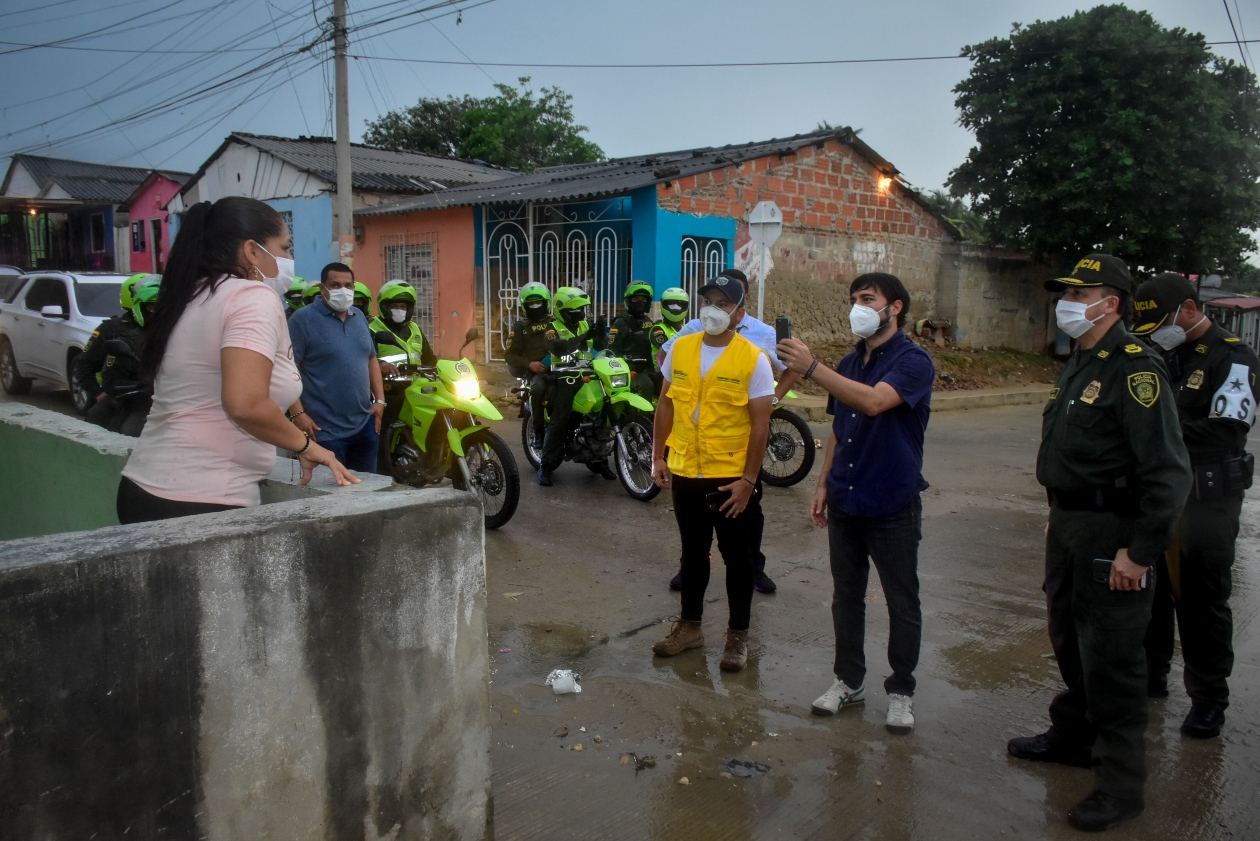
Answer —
82 180
383 170
572 182
1242 302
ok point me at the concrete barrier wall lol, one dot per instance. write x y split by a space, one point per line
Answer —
306 670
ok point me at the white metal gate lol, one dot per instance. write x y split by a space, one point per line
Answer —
413 257
702 258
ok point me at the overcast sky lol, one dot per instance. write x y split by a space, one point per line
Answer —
905 109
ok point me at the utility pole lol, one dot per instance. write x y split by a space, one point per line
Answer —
343 203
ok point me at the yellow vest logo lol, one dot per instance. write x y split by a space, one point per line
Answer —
1091 265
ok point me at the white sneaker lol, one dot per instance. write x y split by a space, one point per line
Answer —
839 695
900 714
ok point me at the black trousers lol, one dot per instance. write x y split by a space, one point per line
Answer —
539 393
126 417
1192 590
136 505
696 526
892 544
1097 635
560 409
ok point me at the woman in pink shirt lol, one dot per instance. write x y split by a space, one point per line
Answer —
219 356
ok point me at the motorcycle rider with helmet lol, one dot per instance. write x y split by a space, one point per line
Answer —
293 300
122 403
628 337
675 303
363 299
396 306
570 334
527 348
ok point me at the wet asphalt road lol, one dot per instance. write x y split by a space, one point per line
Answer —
579 580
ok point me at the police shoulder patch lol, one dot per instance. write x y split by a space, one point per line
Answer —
1232 339
551 335
1054 392
1103 354
1144 386
1134 349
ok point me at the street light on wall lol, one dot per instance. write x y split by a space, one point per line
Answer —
884 182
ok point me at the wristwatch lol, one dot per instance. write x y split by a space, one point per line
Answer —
774 401
375 400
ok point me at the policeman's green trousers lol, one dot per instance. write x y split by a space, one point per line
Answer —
1194 594
1097 635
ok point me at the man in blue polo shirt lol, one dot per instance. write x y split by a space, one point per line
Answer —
343 396
868 493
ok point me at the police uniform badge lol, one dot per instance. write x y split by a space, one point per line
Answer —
1090 394
1144 386
1201 349
1195 381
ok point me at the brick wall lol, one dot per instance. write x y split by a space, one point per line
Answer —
843 218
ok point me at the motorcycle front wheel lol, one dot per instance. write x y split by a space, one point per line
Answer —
634 467
789 449
532 448
495 477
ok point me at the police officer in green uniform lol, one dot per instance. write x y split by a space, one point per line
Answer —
674 306
1117 475
569 335
526 350
124 401
1213 377
396 305
629 338
363 299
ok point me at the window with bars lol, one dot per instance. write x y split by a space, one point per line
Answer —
413 258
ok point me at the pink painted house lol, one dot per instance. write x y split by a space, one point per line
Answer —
150 230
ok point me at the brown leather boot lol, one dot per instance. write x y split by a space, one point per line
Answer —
684 637
735 657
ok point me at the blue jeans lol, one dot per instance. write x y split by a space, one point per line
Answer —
892 543
357 452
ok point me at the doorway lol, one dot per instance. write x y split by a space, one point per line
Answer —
155 230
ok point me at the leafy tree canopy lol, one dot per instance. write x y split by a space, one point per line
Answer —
1104 130
959 214
515 128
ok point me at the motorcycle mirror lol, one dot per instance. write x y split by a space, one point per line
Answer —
471 336
384 337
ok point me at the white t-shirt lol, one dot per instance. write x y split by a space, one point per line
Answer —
190 450
760 384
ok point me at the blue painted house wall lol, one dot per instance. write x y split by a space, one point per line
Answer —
312 220
658 236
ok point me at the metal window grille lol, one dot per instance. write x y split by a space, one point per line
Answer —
702 258
413 257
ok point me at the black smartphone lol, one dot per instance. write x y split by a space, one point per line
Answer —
716 499
1102 572
782 328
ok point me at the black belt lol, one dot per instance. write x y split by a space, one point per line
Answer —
1114 500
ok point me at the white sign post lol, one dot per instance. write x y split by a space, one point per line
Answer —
765 223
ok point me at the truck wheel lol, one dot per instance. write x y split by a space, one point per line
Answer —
10 379
79 396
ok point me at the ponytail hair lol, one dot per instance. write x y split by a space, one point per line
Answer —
207 247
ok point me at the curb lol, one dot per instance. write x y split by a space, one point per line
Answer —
814 409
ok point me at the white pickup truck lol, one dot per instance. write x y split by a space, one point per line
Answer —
45 320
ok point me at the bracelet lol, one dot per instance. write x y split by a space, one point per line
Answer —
294 416
657 458
305 446
749 481
809 372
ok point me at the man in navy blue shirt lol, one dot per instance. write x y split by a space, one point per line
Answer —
868 493
343 396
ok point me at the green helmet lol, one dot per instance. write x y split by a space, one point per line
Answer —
310 291
570 298
637 287
124 294
534 291
674 304
294 294
144 292
396 290
361 291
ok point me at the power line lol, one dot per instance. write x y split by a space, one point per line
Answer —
1243 30
1241 52
688 65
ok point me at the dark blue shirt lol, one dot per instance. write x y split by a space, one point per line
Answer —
878 466
332 356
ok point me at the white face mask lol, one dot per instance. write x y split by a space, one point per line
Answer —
282 281
396 315
340 300
715 321
1072 319
864 321
1170 335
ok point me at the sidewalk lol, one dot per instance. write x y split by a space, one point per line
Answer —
814 408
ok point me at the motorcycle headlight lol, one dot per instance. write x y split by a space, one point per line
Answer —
619 380
468 389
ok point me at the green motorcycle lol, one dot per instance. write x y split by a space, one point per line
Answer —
431 431
608 419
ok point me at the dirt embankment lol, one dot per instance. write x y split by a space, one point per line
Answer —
961 369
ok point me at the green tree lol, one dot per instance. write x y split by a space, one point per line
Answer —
959 214
515 129
430 126
1104 130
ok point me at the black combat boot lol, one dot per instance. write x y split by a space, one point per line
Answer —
1204 721
1101 811
1047 748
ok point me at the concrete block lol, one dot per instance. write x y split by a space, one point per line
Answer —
310 669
